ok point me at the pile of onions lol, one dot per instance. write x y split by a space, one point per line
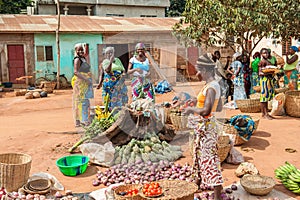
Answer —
141 172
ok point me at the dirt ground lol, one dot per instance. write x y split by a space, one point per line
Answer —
44 129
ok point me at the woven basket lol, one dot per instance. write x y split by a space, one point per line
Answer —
281 90
248 105
177 190
257 184
292 103
223 146
257 88
224 125
14 170
123 188
179 121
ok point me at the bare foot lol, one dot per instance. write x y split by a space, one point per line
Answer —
269 117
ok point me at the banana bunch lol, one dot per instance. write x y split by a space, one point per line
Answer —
289 175
101 114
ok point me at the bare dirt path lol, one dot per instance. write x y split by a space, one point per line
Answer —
44 129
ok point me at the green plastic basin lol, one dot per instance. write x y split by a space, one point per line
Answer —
72 165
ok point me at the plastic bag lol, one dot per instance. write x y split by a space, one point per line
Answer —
99 154
246 168
278 105
55 184
234 157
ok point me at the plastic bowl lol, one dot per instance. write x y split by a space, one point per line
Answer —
72 165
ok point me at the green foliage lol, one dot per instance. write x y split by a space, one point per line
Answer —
212 22
176 8
13 6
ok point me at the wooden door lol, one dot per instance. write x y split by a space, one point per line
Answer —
16 63
192 55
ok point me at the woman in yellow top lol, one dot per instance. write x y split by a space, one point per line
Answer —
206 163
290 71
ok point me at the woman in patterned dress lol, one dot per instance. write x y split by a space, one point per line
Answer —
206 163
142 87
266 83
112 81
82 87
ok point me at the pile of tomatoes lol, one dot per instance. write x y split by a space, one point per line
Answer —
131 192
152 189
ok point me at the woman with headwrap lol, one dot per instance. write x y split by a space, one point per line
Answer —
82 87
291 73
266 83
238 78
112 81
142 87
206 163
247 74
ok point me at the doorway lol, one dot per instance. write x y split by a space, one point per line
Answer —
16 63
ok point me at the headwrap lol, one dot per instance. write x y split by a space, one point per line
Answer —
294 48
205 61
235 55
108 49
139 46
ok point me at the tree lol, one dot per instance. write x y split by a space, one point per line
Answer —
176 8
235 23
13 7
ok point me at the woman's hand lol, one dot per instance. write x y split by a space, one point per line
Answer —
138 70
99 85
187 110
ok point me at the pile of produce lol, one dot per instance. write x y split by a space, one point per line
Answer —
141 172
289 175
151 148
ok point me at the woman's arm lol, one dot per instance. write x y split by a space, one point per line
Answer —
101 74
111 60
292 59
208 104
130 70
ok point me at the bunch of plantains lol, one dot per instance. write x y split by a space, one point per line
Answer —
289 175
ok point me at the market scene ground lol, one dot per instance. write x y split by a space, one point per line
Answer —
44 129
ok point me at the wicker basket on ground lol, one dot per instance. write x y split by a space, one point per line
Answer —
177 190
223 146
123 188
14 170
248 105
257 184
281 90
224 126
292 103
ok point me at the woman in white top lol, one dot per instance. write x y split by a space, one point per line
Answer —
138 66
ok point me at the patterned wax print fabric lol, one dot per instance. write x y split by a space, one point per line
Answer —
254 81
291 79
82 92
206 162
142 87
247 78
267 88
114 85
238 82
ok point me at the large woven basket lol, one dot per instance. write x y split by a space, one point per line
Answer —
292 103
281 90
14 170
257 184
224 126
123 188
248 105
177 190
179 121
223 146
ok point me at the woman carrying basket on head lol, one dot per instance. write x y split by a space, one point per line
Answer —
206 163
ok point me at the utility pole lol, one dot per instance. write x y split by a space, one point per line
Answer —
57 44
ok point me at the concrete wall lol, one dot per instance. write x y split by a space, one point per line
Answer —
14 39
67 42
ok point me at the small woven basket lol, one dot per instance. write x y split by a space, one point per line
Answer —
123 188
179 121
223 146
292 103
14 170
257 88
224 124
257 184
248 105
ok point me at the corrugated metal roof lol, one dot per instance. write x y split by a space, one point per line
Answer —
76 23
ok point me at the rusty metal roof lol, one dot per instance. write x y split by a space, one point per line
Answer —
76 23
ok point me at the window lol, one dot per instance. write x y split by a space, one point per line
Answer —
148 16
286 45
44 53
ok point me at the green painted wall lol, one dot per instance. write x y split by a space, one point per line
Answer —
67 43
